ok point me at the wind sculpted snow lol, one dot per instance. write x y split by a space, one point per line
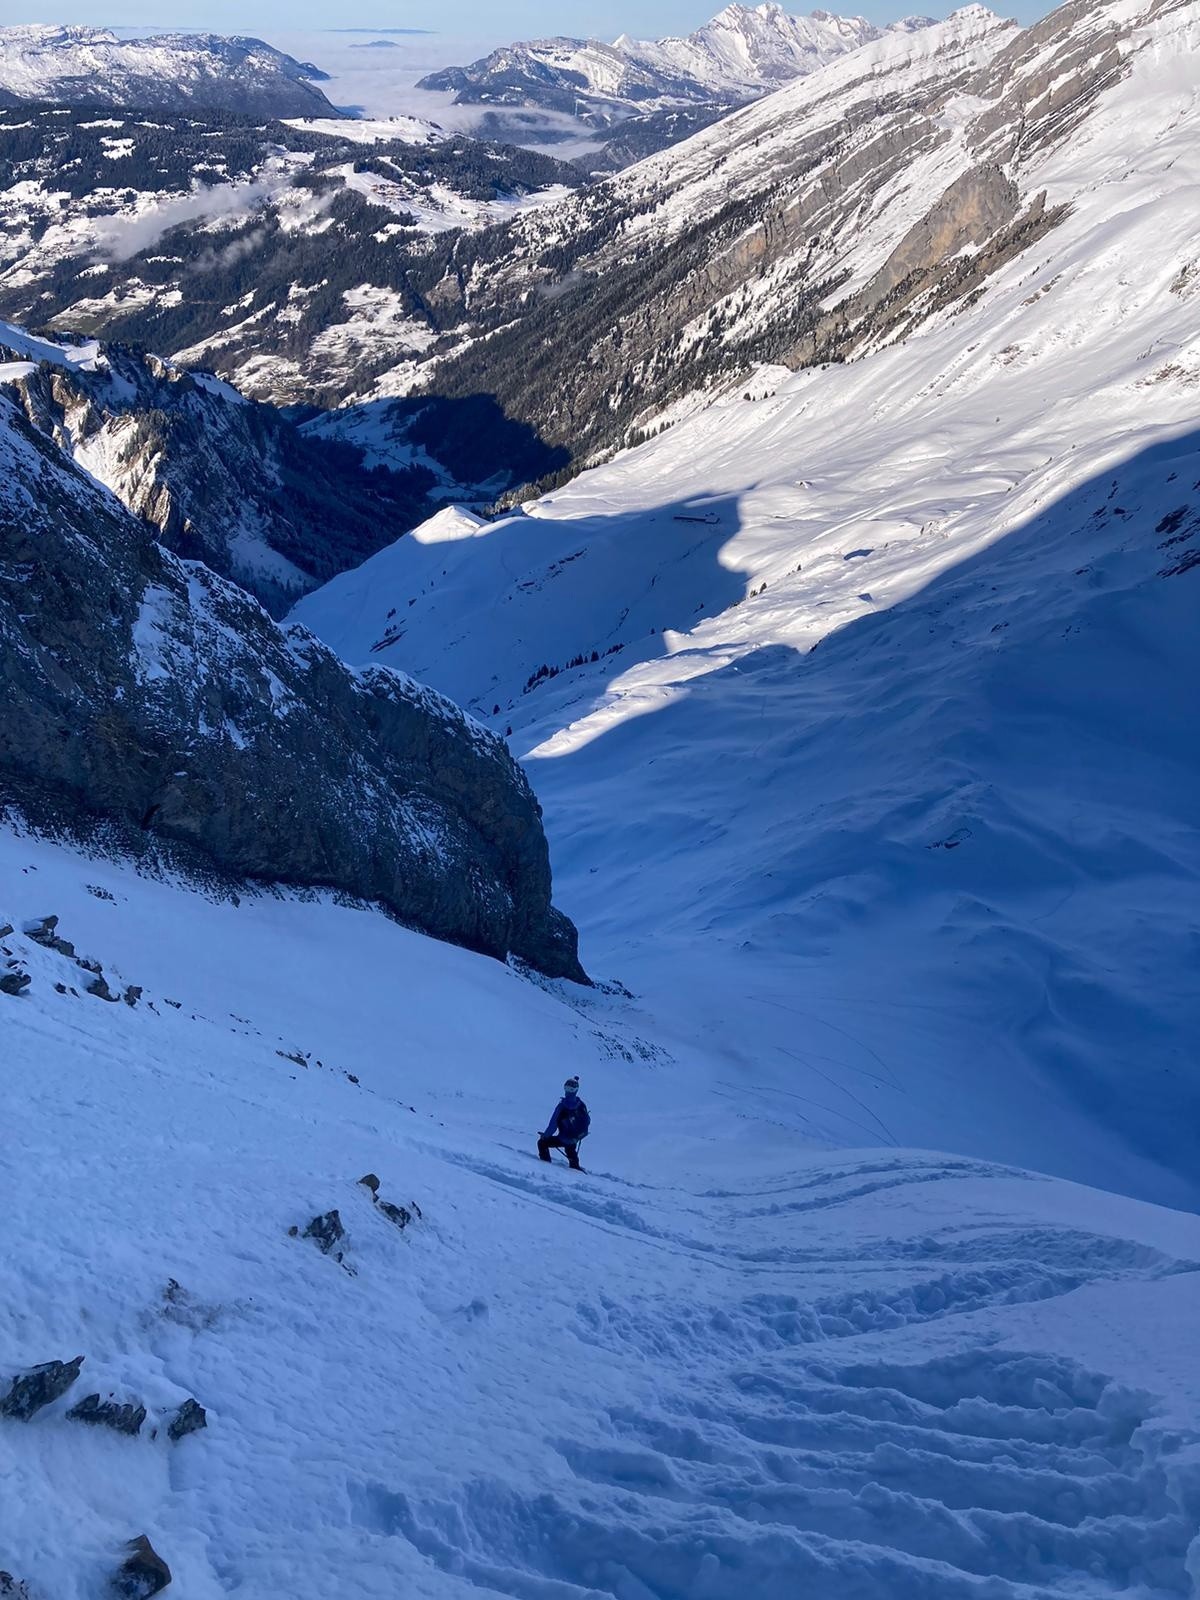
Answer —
722 1361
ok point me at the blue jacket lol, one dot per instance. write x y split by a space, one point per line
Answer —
570 1120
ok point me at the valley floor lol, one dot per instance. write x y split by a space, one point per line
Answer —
725 1361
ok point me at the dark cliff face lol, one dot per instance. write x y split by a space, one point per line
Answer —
148 692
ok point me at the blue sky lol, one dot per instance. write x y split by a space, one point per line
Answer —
500 19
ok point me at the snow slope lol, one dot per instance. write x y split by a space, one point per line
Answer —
373 130
932 888
939 882
720 1363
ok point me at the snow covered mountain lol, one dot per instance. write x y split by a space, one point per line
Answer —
170 72
860 700
653 91
742 52
298 259
825 220
749 49
959 831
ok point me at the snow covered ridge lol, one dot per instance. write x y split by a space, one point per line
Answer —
829 218
149 696
720 1364
741 54
170 72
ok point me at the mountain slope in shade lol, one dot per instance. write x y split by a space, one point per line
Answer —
170 72
878 678
218 478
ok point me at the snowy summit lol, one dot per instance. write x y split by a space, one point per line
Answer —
660 86
171 71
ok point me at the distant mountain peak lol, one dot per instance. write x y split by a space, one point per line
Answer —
743 52
74 64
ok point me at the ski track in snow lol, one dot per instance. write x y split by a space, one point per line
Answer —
723 1362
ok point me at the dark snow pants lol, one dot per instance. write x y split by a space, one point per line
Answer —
571 1146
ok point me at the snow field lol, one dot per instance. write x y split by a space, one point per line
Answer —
722 1360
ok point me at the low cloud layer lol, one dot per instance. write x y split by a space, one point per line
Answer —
126 236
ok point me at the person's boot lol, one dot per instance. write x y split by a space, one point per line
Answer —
573 1160
543 1150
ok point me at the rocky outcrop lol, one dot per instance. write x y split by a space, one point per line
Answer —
122 1416
972 230
147 692
41 1386
327 1232
219 478
399 1216
190 1418
143 1572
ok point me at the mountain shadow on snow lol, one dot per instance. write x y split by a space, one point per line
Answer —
918 796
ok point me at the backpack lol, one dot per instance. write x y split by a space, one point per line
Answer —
573 1121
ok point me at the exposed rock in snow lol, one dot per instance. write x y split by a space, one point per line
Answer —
30 1391
190 1418
400 1216
327 1232
143 1572
99 987
122 1416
